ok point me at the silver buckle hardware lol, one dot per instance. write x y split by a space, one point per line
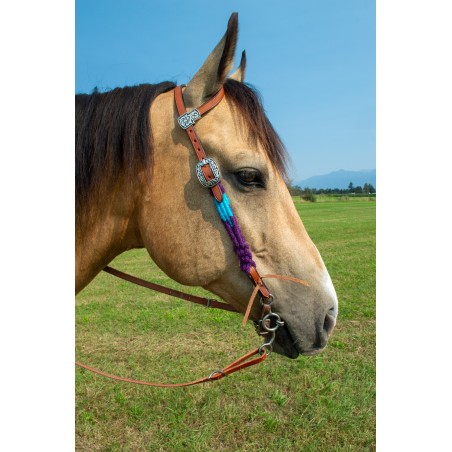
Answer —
213 168
188 119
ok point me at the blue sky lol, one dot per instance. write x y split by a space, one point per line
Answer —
312 61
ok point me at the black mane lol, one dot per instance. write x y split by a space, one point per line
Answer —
112 134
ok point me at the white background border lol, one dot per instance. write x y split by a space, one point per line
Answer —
414 122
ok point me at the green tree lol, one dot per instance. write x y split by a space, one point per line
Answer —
308 195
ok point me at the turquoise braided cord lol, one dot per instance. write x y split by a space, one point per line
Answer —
224 209
241 247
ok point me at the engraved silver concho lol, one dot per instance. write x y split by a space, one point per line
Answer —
188 119
215 171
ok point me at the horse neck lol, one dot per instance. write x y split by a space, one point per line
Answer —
109 229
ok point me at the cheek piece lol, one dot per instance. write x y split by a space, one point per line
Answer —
209 176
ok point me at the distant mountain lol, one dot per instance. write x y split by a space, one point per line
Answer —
340 179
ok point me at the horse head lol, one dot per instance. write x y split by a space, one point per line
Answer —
180 226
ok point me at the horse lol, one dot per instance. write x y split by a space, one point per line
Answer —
136 187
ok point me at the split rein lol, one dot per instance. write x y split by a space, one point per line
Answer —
209 176
264 328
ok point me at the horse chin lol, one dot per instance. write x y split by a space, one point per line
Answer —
284 344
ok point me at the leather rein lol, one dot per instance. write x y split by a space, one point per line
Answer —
209 176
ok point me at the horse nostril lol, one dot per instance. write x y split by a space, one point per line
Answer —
329 324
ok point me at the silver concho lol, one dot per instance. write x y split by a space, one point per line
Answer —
215 171
188 119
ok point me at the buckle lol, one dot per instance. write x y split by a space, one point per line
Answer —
188 119
214 170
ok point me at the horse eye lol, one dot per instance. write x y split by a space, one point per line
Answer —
249 176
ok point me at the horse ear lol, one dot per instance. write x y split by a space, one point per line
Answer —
239 73
210 78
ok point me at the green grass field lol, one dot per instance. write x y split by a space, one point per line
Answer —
319 403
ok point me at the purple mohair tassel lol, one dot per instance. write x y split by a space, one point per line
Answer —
241 248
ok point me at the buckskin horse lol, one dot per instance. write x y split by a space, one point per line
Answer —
139 164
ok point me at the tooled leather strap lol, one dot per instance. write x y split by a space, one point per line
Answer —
204 108
196 143
199 150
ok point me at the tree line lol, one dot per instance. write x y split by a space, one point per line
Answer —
309 193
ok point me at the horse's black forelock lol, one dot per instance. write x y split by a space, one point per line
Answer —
248 102
112 136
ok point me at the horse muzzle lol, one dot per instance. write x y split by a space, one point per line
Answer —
290 343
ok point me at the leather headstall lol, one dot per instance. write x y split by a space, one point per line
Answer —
207 166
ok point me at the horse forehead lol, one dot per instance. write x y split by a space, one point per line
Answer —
225 127
222 128
220 122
